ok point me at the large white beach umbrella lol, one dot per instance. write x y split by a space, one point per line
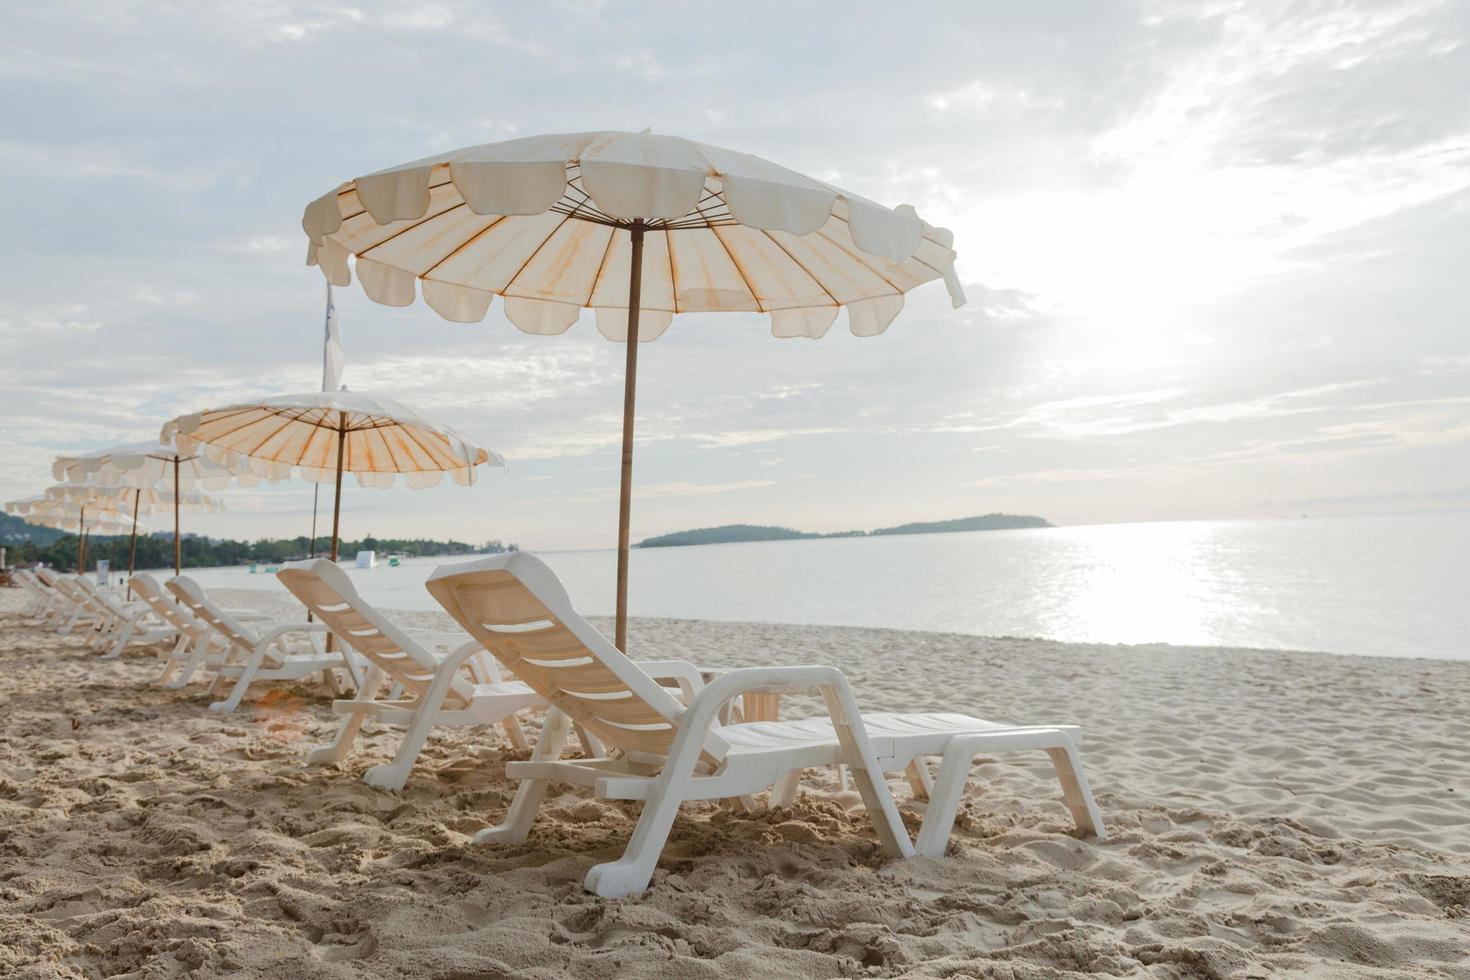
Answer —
324 434
147 465
617 221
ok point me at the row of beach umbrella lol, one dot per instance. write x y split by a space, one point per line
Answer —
637 227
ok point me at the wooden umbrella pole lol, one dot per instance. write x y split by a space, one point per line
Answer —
337 499
133 541
178 549
630 384
337 504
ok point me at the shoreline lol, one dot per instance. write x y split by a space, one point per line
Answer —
245 595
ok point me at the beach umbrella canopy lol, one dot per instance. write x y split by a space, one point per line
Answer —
98 498
102 513
323 434
147 464
619 222
144 464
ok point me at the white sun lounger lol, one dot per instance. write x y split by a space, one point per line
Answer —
262 651
665 753
78 609
40 596
124 623
463 688
198 645
58 603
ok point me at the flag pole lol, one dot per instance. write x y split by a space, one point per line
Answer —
331 381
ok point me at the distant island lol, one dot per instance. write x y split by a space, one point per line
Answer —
732 533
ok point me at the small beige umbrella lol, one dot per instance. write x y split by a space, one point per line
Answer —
323 435
145 500
149 464
636 226
52 510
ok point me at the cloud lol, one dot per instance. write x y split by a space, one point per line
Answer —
1211 251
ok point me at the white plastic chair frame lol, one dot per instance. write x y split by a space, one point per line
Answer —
124 623
665 753
438 690
265 655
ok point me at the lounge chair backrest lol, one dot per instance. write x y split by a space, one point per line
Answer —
47 576
100 600
67 585
30 582
518 610
325 589
187 591
165 607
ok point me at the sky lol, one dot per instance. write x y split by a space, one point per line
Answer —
1215 254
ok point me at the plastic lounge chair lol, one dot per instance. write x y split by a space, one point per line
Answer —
262 651
40 596
197 642
64 599
124 623
463 688
665 753
79 608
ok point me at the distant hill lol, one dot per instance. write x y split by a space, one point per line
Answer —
732 533
14 531
988 522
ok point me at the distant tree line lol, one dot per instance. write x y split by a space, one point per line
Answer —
157 551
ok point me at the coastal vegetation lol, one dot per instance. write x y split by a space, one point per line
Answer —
157 550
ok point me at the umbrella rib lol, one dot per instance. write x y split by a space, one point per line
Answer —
408 431
403 231
802 266
859 259
601 265
281 428
388 445
760 306
462 246
673 270
237 428
534 252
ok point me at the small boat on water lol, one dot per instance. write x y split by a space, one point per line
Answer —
367 559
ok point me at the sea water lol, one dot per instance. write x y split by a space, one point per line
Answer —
1393 586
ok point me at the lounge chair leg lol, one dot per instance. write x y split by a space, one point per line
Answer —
196 657
515 733
786 789
247 674
630 874
1075 791
123 637
517 824
334 752
175 659
920 782
394 774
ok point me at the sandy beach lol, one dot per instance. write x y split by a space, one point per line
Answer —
1270 814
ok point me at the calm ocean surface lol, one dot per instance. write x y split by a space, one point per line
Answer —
1394 586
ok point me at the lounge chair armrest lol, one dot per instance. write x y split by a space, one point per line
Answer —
774 680
281 629
689 677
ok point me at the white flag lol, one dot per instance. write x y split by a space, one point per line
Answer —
334 358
